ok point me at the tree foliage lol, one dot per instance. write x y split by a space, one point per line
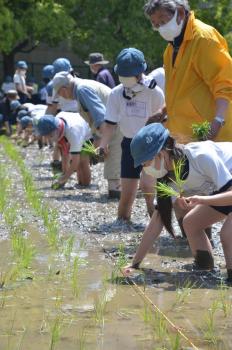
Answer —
31 21
95 25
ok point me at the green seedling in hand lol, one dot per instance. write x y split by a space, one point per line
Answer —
164 190
201 130
88 149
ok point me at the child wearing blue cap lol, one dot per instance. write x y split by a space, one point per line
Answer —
207 168
24 91
69 131
130 105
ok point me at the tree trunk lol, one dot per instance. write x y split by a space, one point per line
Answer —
8 63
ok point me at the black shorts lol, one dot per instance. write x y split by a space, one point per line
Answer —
128 171
227 209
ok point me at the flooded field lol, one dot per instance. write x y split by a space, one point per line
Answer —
61 285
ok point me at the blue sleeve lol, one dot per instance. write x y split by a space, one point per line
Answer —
91 102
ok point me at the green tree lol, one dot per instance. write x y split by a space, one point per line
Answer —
109 26
25 23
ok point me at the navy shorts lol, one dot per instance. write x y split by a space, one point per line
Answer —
128 171
227 209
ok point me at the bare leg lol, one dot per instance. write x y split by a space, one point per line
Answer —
195 221
84 172
226 240
147 187
128 194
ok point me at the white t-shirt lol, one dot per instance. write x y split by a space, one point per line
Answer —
21 81
159 75
77 131
68 105
210 166
132 114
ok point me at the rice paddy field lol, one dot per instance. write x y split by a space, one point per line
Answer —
61 281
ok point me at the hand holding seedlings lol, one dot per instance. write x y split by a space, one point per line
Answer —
201 130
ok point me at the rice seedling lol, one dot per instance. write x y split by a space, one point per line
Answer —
201 130
165 190
174 342
209 324
88 149
23 251
182 293
75 277
119 263
55 329
10 215
99 310
223 302
82 339
67 247
147 314
100 304
159 327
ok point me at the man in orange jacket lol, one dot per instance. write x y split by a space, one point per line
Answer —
198 70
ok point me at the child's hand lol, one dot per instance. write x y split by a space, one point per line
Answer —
183 203
128 270
195 200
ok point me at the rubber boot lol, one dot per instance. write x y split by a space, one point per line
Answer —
204 260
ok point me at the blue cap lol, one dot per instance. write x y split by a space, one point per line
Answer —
25 121
14 105
148 142
22 113
47 124
130 63
21 65
48 71
62 65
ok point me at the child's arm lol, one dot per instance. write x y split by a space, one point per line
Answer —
220 199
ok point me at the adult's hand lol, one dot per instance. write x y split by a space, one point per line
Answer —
214 129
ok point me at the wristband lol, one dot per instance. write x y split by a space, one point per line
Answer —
220 120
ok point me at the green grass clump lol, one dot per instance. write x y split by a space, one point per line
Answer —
201 130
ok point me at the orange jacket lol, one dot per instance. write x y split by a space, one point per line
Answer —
202 72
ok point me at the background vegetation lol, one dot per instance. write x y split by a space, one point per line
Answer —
93 25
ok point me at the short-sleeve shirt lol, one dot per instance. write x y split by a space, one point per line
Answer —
132 114
20 79
210 166
77 131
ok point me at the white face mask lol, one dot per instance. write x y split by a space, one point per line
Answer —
128 82
157 174
171 30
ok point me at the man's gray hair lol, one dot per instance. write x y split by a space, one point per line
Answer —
169 5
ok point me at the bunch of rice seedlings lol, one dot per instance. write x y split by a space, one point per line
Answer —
165 190
88 149
201 130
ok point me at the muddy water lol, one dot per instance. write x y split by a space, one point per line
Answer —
44 296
